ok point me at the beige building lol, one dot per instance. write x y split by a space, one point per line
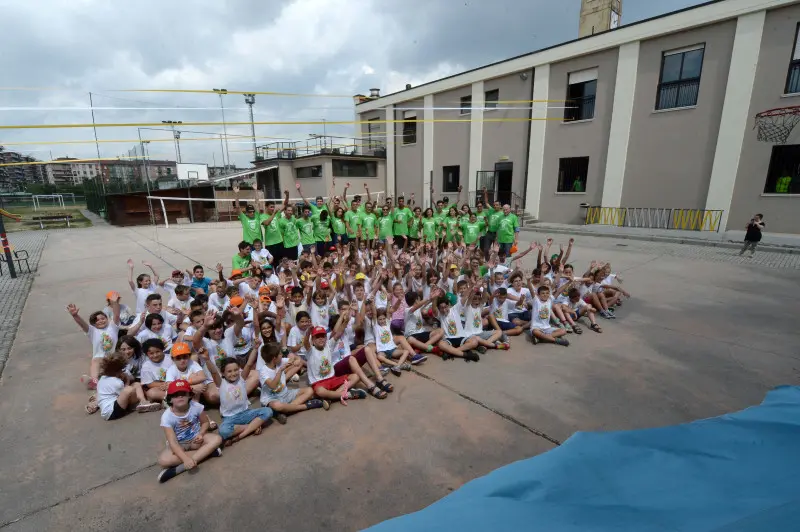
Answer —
648 123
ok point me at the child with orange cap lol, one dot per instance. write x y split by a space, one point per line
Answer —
186 428
183 367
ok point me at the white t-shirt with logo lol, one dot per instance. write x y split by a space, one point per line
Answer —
266 373
152 372
320 314
173 373
384 340
222 349
413 322
451 324
183 306
233 397
243 343
473 321
338 349
104 341
187 426
218 304
540 315
262 257
499 310
141 297
296 338
108 389
165 335
320 364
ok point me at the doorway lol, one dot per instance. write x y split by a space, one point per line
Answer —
504 173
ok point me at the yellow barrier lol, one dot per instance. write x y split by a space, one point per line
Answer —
605 216
696 219
682 219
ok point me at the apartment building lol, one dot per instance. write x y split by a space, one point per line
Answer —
658 114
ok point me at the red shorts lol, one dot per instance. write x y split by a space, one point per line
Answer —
587 300
343 366
331 383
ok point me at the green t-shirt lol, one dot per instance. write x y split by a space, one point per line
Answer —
317 210
291 236
472 231
413 227
506 227
338 226
401 218
354 221
385 226
494 219
251 227
450 225
272 232
368 221
429 226
482 215
240 263
305 226
322 230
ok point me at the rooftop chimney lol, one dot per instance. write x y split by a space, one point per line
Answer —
374 93
408 86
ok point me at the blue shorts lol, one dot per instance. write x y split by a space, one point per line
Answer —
505 325
388 354
524 316
242 418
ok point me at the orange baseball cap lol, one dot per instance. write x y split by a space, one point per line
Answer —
111 294
263 290
180 348
234 273
236 301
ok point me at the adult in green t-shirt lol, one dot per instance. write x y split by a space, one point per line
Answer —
291 235
368 221
248 216
482 216
414 226
385 224
507 230
402 216
429 226
353 221
273 237
472 229
493 216
316 207
322 231
450 223
305 226
339 228
241 261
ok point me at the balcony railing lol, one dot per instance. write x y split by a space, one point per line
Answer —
322 145
579 109
678 94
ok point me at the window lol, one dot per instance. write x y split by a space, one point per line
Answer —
680 78
491 98
572 174
581 90
466 105
451 178
783 176
354 168
409 128
372 128
308 171
793 77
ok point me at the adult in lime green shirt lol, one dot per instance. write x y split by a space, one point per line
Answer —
450 223
472 229
291 235
339 228
273 238
353 220
402 215
414 224
385 224
249 217
305 226
322 231
507 230
430 226
368 221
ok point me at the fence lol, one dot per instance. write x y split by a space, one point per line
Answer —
655 218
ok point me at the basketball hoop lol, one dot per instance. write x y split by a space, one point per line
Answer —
775 125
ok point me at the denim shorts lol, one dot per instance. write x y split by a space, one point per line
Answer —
244 417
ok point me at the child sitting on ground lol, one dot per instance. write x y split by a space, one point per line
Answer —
541 331
154 370
184 368
102 332
321 373
274 392
114 398
186 428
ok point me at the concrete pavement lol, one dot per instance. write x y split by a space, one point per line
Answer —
701 336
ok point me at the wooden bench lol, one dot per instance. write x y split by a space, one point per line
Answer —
61 217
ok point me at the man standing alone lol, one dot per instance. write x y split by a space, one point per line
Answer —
753 235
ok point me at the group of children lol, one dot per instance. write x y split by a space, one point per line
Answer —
344 319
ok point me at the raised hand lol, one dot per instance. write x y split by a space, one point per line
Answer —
347 185
235 189
297 186
115 296
549 241
203 354
211 317
533 245
130 263
219 267
72 309
571 240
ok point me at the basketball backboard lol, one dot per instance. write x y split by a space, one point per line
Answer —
192 172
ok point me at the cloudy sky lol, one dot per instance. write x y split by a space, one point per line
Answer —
60 51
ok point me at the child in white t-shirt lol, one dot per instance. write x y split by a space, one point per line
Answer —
154 370
273 374
541 330
154 327
184 368
321 373
455 342
180 301
219 300
386 345
259 254
115 398
186 427
498 313
144 285
102 332
294 341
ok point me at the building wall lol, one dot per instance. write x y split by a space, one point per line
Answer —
508 141
671 152
451 139
586 138
782 212
408 158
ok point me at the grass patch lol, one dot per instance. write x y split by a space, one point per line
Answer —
29 224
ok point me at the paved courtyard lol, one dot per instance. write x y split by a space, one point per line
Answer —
706 332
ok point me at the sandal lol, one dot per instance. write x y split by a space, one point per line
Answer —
577 329
376 392
385 386
596 328
356 393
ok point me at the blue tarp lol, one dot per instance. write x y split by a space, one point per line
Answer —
739 471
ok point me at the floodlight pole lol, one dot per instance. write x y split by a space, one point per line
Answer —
146 176
220 92
250 99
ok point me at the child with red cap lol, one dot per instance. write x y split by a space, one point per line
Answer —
186 427
184 368
321 373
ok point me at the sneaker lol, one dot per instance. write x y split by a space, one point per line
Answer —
216 453
502 346
481 350
280 418
568 328
418 359
533 338
148 407
605 314
295 378
405 366
562 341
384 370
471 356
436 351
396 371
357 393
311 404
170 472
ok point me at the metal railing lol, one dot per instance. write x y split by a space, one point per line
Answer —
322 145
678 94
579 109
655 218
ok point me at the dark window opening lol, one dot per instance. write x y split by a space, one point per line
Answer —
451 178
466 105
410 128
580 101
793 77
354 168
308 171
491 98
783 176
679 85
572 174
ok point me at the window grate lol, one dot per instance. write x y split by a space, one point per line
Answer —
572 173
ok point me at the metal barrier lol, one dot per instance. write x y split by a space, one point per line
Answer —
655 218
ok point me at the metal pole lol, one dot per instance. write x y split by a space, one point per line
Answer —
177 135
250 99
7 249
147 179
224 125
96 143
222 148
